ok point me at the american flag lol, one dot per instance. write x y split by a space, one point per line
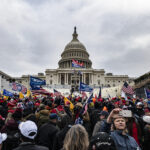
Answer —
40 92
127 89
56 93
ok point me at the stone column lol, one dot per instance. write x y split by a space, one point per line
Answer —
65 79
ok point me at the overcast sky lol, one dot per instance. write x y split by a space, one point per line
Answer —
34 33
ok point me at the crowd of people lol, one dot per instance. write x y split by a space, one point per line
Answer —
49 123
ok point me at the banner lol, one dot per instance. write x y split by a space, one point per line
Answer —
18 87
85 87
36 83
7 93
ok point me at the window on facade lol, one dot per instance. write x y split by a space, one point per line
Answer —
113 84
51 76
98 82
118 81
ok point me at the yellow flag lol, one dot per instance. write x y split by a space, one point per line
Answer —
6 97
21 96
28 93
1 92
67 100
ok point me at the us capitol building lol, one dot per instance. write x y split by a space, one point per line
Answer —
67 76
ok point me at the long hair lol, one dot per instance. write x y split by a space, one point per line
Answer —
76 139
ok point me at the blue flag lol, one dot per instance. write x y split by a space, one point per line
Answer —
7 93
36 83
85 87
147 93
90 99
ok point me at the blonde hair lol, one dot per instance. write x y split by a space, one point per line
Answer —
76 138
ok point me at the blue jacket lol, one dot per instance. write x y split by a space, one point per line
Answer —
122 142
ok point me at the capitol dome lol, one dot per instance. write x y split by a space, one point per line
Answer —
74 50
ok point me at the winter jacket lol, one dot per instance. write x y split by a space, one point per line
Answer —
47 134
42 117
30 146
12 141
146 143
60 136
122 142
97 127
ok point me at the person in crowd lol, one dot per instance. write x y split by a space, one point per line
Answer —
76 138
3 137
139 109
42 116
28 132
102 141
103 116
47 132
119 131
65 125
11 128
134 129
146 144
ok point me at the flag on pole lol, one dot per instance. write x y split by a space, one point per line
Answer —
21 96
67 100
28 93
56 93
127 89
76 64
36 83
7 93
100 93
147 93
85 87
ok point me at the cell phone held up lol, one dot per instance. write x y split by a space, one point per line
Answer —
126 113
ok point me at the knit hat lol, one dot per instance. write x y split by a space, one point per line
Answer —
28 129
53 116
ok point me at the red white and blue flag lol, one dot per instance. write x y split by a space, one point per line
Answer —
76 64
18 87
56 93
147 93
127 89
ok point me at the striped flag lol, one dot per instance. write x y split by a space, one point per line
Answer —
56 93
40 92
127 89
